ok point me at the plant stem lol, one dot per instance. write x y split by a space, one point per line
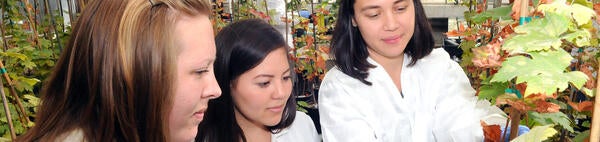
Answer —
515 118
15 95
2 27
13 135
32 23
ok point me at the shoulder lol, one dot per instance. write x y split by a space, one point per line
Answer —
334 78
72 136
302 129
437 62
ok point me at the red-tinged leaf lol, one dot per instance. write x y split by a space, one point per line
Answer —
546 107
324 49
521 87
544 1
491 133
461 27
506 98
320 63
310 41
516 10
481 6
597 10
540 96
453 33
586 68
582 106
487 56
519 105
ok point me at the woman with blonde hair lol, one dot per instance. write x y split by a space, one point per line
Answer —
133 70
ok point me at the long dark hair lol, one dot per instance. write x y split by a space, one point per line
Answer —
241 46
350 50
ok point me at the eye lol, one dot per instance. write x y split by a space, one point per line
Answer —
372 15
401 9
201 71
263 84
286 78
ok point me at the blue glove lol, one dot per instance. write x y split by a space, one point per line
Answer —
522 130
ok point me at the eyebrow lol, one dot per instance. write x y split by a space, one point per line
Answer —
377 6
270 76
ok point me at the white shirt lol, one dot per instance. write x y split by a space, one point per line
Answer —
438 105
302 130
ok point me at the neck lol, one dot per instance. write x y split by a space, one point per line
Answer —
254 132
391 65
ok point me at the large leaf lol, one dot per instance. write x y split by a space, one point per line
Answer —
579 37
539 34
558 118
533 41
552 24
543 72
537 134
582 14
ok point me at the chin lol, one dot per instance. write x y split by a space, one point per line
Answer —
184 136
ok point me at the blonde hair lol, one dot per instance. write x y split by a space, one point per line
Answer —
114 78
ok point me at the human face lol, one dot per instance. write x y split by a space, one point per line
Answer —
195 82
261 93
386 26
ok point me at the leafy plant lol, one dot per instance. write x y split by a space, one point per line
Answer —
540 69
31 40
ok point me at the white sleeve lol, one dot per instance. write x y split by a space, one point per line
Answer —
458 111
340 114
309 129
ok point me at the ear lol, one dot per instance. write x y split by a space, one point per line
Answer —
353 22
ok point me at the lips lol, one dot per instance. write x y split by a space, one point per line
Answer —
278 108
199 114
391 39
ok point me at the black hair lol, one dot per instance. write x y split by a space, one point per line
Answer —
350 50
241 46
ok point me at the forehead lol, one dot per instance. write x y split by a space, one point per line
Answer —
193 35
275 62
377 3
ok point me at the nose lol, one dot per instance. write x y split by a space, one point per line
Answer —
282 89
390 22
212 90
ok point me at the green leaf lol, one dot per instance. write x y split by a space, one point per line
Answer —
582 14
494 14
537 134
15 55
582 136
32 99
583 3
534 41
588 92
552 118
490 91
579 37
552 25
543 72
22 83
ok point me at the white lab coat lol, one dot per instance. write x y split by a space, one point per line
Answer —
439 104
302 130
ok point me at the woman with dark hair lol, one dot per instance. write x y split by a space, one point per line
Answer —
255 74
133 70
390 84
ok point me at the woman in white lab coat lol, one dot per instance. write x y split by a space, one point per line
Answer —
255 76
390 84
